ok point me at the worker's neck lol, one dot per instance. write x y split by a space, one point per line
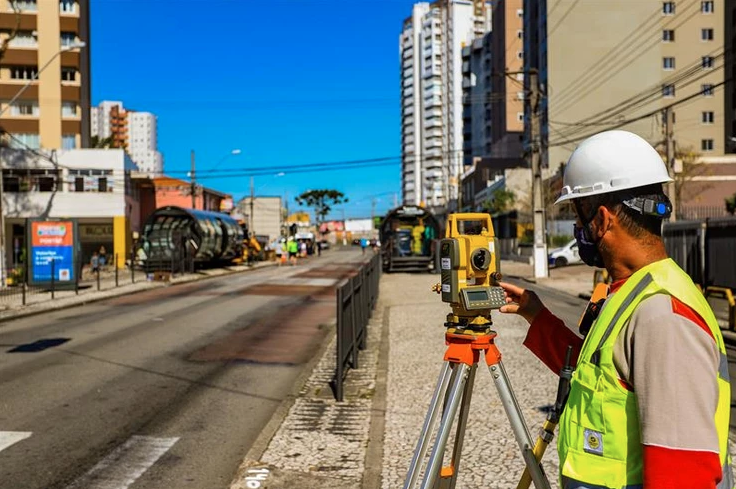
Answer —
632 256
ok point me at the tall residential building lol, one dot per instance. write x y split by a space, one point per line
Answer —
646 55
431 46
133 131
45 73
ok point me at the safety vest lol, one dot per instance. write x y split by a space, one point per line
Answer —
599 442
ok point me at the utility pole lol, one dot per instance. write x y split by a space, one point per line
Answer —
193 184
252 198
668 117
541 268
396 200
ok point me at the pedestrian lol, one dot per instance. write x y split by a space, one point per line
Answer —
650 397
103 256
319 248
363 244
303 249
94 262
292 248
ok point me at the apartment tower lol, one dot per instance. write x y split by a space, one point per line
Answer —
46 73
431 44
618 64
134 131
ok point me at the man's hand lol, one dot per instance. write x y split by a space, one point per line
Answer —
520 301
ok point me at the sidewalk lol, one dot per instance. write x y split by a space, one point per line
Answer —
38 302
367 441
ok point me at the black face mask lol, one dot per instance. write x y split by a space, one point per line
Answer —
587 245
587 248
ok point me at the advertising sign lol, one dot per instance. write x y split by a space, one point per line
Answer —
52 241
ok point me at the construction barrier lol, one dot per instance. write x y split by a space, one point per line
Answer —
356 299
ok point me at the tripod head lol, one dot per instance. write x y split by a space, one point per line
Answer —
470 271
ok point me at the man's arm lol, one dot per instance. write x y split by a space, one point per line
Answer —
670 358
548 338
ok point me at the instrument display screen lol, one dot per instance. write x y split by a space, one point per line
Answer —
477 295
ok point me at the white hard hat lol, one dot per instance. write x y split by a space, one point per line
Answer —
611 161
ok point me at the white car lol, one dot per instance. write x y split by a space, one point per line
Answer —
567 255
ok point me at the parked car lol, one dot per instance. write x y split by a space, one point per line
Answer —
567 255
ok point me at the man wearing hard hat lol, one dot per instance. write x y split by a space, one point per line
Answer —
650 397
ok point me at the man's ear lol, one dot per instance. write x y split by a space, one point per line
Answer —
605 219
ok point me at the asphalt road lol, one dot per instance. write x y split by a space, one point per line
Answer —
570 308
162 389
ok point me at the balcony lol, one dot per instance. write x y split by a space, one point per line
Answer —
433 123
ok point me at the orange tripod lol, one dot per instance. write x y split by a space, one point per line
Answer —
455 387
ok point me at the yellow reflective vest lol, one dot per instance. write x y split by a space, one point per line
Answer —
600 441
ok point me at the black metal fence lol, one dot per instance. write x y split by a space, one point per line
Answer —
706 250
19 292
356 299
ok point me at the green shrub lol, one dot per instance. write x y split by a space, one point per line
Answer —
559 240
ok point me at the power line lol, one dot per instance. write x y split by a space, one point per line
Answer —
641 117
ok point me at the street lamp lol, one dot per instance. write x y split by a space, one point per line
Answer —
69 47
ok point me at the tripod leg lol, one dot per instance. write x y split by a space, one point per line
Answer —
459 378
428 428
448 475
518 425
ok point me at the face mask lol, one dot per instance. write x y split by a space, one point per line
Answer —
587 248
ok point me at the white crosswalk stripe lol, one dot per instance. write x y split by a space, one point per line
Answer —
8 438
125 464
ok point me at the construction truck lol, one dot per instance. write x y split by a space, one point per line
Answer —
409 236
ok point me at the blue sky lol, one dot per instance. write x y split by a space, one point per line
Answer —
289 82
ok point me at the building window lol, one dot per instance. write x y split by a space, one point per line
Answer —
520 54
706 145
69 141
23 72
68 38
520 116
23 39
707 62
30 180
668 8
520 12
91 180
24 108
520 34
668 90
707 7
706 34
707 89
68 74
668 63
24 5
707 117
68 109
68 6
25 141
668 35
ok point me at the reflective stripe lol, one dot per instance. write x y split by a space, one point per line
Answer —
595 358
568 483
723 368
727 480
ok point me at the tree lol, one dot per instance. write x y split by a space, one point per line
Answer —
502 201
14 31
690 169
731 204
101 143
321 201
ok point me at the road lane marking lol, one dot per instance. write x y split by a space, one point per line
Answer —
8 438
125 464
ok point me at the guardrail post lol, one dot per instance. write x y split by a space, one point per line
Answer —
98 277
132 266
340 348
53 277
23 287
116 269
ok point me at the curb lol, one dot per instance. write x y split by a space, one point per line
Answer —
258 448
113 293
